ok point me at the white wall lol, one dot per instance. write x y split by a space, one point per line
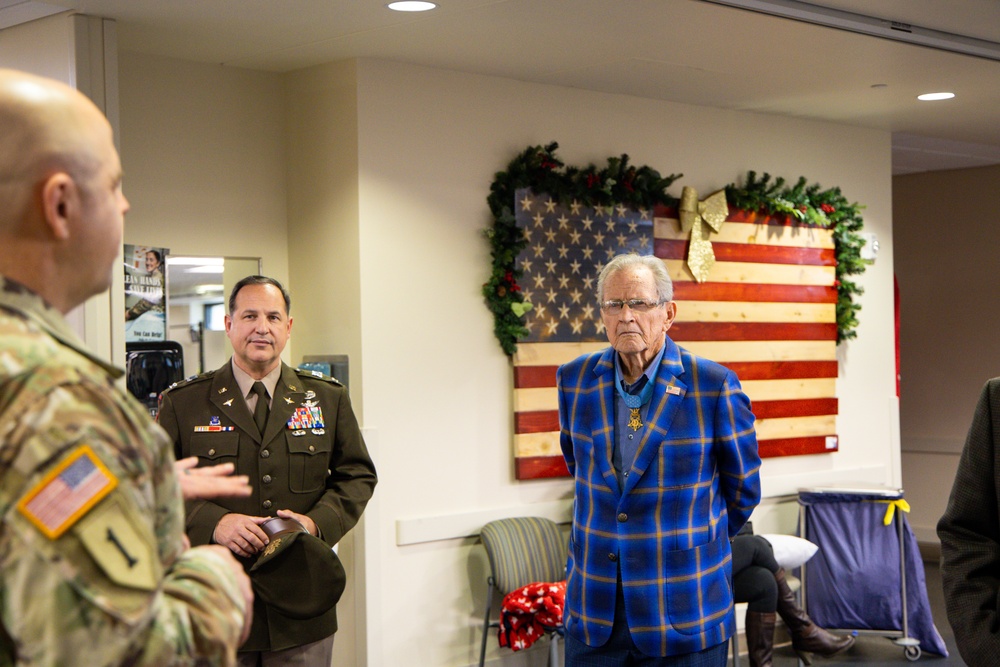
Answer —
80 51
438 387
324 264
203 149
949 317
44 47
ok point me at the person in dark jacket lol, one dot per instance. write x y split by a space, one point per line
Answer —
970 538
294 434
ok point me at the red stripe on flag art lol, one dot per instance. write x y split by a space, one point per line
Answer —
767 311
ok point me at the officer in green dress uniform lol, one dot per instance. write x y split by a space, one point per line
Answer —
94 565
295 435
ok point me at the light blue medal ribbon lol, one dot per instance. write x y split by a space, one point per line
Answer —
634 401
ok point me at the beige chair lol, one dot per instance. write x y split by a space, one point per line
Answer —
522 550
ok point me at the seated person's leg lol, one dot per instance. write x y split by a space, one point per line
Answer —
757 587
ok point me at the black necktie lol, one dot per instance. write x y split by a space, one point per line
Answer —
261 410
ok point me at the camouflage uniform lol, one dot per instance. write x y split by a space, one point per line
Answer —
115 584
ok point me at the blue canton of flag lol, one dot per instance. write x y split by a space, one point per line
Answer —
567 248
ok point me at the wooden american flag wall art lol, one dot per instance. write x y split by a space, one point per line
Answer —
767 312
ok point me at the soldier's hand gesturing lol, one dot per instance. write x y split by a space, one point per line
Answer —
241 533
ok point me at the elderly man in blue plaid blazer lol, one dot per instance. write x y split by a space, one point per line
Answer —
662 448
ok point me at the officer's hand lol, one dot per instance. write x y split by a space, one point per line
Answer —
245 588
241 533
309 524
210 481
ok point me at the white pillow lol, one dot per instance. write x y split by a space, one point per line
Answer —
791 551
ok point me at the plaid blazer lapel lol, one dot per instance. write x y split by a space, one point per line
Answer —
663 405
604 376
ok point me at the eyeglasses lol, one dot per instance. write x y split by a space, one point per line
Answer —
615 306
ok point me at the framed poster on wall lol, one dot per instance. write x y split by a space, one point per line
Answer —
145 294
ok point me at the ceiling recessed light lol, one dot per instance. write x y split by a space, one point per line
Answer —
411 6
930 97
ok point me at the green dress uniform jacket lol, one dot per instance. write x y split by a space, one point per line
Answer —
311 460
94 571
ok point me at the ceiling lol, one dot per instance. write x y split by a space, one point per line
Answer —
689 51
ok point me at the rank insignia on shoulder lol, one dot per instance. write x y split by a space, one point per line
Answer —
68 492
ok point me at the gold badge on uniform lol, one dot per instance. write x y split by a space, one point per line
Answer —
68 492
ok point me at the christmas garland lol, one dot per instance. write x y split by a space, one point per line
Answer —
828 209
538 168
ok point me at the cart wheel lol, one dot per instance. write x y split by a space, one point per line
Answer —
912 653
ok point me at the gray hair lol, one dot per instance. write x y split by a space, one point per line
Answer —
664 286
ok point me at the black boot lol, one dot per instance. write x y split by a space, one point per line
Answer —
807 637
760 637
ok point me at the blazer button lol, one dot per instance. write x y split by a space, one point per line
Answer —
266 479
211 452
312 448
612 557
264 453
267 504
622 517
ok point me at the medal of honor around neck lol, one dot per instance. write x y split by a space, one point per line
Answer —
634 402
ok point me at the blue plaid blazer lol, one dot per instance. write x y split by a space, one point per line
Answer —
692 486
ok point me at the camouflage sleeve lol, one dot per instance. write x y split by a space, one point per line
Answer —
109 583
200 614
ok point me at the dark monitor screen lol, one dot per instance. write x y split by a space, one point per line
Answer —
151 367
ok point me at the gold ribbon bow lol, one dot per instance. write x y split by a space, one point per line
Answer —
890 511
694 216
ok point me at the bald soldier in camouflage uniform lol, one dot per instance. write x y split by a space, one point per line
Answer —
94 567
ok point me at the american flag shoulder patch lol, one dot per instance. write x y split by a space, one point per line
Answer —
68 492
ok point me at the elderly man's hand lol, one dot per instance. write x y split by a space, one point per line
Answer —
241 533
210 481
